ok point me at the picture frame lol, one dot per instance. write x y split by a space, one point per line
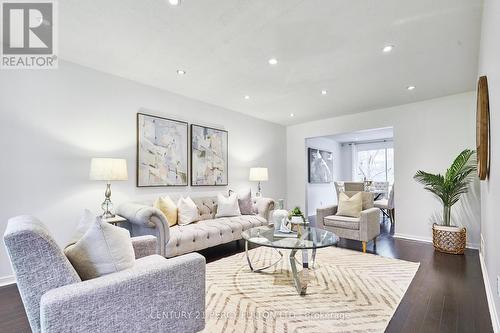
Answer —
209 156
319 166
162 151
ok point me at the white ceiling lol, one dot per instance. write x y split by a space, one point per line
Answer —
365 135
224 45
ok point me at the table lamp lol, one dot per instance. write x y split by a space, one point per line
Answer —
108 169
258 175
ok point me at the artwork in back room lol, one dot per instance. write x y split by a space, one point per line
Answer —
162 149
320 166
209 157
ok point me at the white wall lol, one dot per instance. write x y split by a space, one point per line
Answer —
319 195
346 153
52 122
427 135
489 64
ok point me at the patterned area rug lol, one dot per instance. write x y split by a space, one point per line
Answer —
348 291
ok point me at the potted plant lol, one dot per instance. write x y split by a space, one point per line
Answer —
296 216
449 188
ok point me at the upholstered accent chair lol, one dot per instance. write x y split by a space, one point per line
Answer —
339 187
387 205
381 186
354 186
364 228
155 295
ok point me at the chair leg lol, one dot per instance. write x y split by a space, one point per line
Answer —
391 215
364 247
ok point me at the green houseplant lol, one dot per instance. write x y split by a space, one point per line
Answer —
296 212
448 188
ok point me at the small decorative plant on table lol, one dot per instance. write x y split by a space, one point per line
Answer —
449 188
297 219
296 216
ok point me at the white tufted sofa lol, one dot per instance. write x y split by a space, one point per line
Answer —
208 231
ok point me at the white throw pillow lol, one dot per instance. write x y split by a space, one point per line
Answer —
227 206
84 224
187 212
103 249
350 206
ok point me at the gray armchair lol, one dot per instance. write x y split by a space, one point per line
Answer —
364 228
155 295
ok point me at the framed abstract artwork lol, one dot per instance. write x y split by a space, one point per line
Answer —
320 166
162 151
209 156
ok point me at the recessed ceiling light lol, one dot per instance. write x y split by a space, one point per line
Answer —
174 2
324 92
181 72
247 97
388 48
292 115
410 88
273 61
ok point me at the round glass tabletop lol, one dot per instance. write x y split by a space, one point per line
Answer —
310 238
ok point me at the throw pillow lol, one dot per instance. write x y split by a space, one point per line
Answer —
83 225
168 208
187 212
245 202
350 206
227 206
103 249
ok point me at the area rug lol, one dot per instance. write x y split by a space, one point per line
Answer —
348 291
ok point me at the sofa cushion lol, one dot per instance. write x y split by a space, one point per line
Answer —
245 202
208 233
350 206
207 207
366 197
187 211
168 208
227 206
344 222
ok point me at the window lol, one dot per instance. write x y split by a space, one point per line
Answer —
374 165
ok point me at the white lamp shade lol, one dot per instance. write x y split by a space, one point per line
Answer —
108 169
258 174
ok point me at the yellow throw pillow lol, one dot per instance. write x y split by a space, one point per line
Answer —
350 206
168 208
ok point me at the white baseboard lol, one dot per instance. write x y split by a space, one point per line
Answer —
6 280
489 295
472 246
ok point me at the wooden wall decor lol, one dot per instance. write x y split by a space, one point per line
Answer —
483 128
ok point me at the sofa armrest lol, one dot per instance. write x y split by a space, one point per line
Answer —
156 295
144 246
323 212
146 220
264 207
369 224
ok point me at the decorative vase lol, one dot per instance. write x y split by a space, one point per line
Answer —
279 214
449 239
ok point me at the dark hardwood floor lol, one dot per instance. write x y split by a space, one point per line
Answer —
446 295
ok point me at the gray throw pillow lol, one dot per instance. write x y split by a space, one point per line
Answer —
246 203
103 249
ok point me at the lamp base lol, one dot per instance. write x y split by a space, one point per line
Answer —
259 191
107 205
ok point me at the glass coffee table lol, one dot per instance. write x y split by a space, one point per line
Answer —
310 239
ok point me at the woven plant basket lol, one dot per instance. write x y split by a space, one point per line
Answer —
449 239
